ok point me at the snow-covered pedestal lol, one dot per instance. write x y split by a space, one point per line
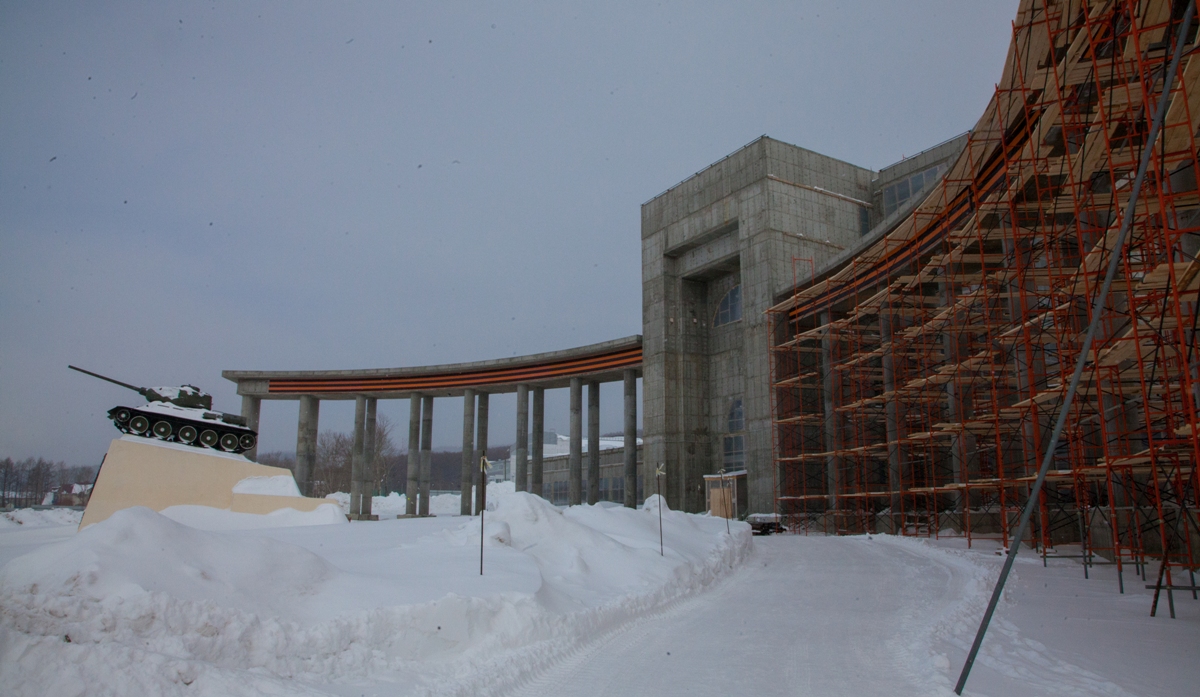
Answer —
158 475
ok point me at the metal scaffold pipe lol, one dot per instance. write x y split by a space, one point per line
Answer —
1093 325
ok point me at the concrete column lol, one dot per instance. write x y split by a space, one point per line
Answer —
962 443
414 455
370 451
520 466
630 439
306 442
426 449
481 444
575 461
468 453
896 454
832 442
250 411
593 465
358 455
538 439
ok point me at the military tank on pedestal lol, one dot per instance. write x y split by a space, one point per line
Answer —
180 415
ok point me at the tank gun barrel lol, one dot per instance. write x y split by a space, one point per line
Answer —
140 390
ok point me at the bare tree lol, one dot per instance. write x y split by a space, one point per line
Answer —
8 480
333 467
278 458
386 456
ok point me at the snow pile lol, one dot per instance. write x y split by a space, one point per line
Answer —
209 518
395 503
29 518
139 604
282 485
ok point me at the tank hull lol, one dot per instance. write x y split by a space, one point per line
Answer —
200 428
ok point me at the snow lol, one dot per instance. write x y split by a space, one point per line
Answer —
207 452
883 615
29 518
208 518
282 485
573 601
394 504
141 604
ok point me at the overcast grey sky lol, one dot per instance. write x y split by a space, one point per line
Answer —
187 188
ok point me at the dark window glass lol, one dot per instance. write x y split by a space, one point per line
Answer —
735 452
730 309
737 417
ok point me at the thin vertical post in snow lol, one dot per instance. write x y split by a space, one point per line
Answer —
658 475
483 468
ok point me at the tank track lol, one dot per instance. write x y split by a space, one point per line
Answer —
212 434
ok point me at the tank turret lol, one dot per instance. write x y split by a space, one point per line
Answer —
182 415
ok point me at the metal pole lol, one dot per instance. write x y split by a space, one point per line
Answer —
483 467
658 475
1098 306
724 492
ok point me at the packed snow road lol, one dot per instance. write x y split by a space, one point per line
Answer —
806 616
874 616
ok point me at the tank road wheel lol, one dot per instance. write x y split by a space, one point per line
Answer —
122 416
162 429
229 442
209 439
247 441
139 424
187 434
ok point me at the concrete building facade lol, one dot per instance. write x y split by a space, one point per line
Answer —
718 251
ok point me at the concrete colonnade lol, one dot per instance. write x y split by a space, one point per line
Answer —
251 407
528 452
892 417
521 447
593 466
537 471
832 432
630 379
468 452
481 445
413 485
426 452
306 442
575 459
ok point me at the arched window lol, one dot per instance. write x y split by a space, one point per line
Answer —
734 456
730 309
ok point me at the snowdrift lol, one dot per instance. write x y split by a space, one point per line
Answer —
143 604
394 504
31 518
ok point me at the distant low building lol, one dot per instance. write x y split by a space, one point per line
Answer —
69 495
556 454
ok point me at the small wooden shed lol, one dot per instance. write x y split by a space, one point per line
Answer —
726 494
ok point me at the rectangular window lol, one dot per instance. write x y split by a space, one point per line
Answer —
735 452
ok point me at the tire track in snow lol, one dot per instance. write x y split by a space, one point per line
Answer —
1028 663
579 662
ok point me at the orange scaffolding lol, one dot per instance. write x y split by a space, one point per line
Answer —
915 387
